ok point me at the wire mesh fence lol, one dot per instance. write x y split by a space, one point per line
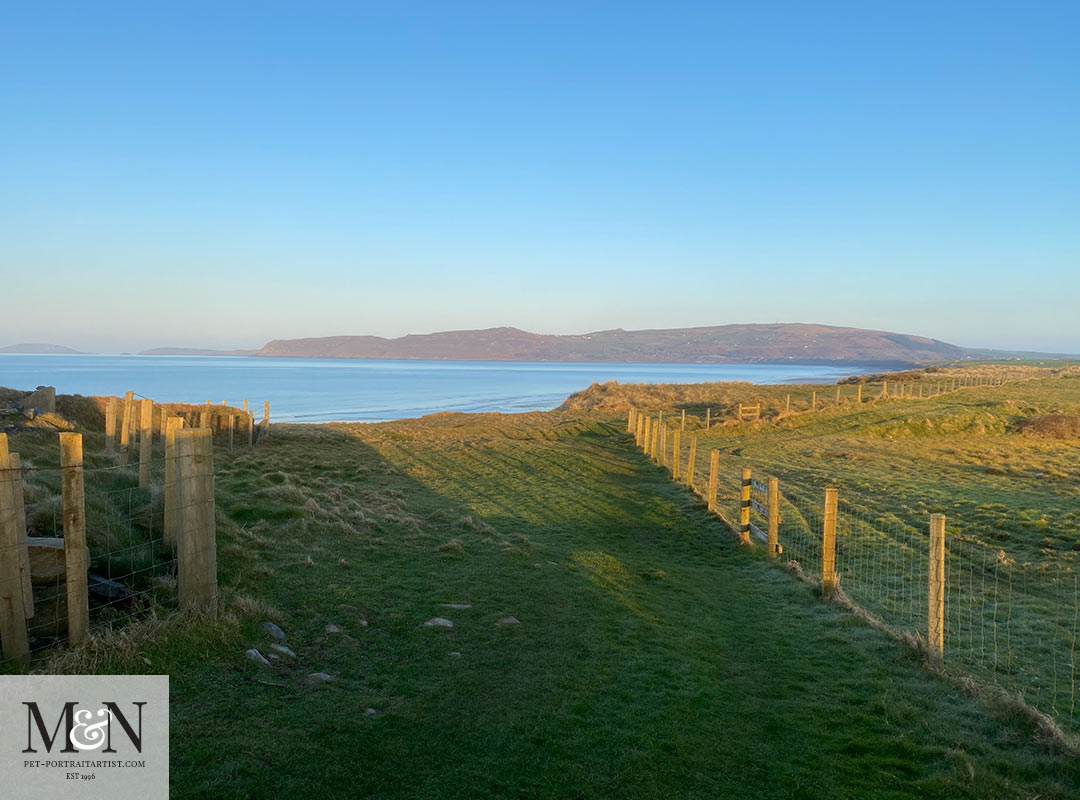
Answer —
1006 622
90 544
1015 624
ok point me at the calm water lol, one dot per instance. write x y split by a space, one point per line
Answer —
320 389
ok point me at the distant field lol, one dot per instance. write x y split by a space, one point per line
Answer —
650 657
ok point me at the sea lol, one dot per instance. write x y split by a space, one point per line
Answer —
340 389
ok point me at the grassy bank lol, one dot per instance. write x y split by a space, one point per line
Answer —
648 656
651 657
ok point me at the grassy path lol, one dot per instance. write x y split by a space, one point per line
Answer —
653 657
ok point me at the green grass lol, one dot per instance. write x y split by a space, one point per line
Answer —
654 658
1012 504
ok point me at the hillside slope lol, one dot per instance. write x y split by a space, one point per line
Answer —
714 344
37 348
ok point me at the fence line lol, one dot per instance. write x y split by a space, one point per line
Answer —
101 556
973 609
747 411
223 420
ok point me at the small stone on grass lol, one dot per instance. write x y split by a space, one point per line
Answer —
332 628
319 677
255 655
438 622
285 651
274 631
508 621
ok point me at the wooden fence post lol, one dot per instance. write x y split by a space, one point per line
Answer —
838 394
20 529
125 427
172 425
630 419
146 441
738 414
13 636
110 426
646 433
204 416
245 404
232 429
251 429
675 435
639 427
691 462
858 393
774 517
828 544
787 406
744 507
714 471
935 634
655 440
884 388
682 425
196 535
76 556
663 445
708 418
813 401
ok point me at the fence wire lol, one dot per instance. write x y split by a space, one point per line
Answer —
132 569
1009 623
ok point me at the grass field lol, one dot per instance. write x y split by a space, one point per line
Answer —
1012 503
651 657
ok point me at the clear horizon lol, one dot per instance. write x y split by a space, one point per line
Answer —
222 175
136 351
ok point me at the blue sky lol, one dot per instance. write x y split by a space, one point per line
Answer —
219 174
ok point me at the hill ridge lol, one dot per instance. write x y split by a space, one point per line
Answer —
733 343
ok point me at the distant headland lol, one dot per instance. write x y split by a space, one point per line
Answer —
717 344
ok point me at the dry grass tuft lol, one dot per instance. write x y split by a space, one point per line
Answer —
285 493
253 608
126 645
454 546
1051 426
474 524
